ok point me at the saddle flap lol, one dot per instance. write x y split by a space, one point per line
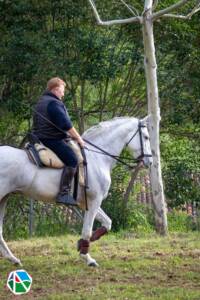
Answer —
33 155
48 157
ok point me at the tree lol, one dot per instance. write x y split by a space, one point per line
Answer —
147 19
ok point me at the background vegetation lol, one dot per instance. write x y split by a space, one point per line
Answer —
104 67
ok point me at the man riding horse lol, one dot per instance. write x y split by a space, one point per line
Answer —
52 126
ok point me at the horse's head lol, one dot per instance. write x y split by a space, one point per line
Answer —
139 143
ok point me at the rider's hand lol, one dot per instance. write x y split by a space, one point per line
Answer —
81 142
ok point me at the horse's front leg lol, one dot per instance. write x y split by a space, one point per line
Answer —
84 242
106 224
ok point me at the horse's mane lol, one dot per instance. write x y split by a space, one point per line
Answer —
104 126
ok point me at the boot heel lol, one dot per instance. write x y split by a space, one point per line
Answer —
64 196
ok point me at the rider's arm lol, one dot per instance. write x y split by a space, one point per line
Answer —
74 134
59 116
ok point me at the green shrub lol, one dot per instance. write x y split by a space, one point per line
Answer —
181 170
180 221
48 220
133 215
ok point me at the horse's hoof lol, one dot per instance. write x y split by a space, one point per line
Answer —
17 263
93 264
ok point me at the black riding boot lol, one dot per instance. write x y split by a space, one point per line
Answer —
64 196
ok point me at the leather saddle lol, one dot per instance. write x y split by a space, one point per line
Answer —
42 156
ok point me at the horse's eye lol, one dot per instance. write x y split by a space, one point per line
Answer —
146 137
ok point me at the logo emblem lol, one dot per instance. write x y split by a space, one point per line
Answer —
19 282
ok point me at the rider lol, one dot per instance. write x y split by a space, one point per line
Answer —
52 125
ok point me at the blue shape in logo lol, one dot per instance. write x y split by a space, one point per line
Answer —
23 275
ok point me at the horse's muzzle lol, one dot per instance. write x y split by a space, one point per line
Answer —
147 162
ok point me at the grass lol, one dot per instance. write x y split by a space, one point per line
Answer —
131 267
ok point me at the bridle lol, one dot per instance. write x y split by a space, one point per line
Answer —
121 160
142 155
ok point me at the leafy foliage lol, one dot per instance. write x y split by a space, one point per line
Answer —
125 216
181 170
45 219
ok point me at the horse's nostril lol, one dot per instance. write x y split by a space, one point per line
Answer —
148 163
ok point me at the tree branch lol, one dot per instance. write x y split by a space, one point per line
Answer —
188 16
135 13
155 3
112 22
168 9
131 183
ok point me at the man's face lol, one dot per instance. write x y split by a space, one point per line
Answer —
60 91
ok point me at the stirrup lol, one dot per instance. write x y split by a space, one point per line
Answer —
65 199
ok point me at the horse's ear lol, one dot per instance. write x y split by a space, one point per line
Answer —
146 120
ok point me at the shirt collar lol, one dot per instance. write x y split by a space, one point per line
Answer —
48 93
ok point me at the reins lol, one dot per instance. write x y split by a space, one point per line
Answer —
116 157
104 152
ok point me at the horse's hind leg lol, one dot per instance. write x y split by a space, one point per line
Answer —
3 246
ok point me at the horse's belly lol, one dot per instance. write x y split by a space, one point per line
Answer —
45 185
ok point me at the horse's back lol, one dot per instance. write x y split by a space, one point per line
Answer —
13 167
17 173
11 149
12 154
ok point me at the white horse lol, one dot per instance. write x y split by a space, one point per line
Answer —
18 174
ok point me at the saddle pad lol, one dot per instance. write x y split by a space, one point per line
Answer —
48 157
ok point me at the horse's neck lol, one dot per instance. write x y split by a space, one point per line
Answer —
113 139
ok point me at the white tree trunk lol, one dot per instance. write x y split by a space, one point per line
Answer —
154 111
